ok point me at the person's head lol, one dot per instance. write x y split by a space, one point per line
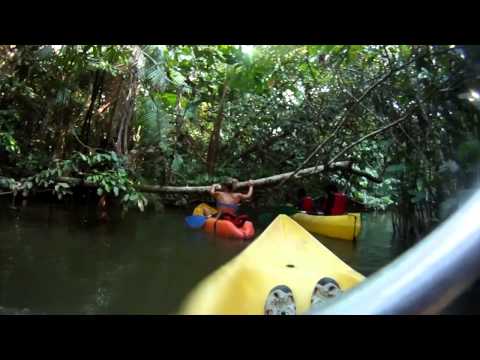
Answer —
229 184
331 188
301 193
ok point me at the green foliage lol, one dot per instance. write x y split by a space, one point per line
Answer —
97 161
280 103
118 184
33 162
106 171
396 169
469 152
8 143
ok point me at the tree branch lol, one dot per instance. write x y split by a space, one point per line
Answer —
385 51
378 117
342 165
347 112
373 133
90 149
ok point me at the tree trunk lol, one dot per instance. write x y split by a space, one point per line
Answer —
215 137
113 96
64 117
87 124
125 106
178 116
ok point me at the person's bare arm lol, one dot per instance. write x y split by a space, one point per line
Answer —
248 195
213 188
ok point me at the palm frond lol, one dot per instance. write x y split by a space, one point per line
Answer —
155 75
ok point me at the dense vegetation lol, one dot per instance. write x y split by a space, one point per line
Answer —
120 116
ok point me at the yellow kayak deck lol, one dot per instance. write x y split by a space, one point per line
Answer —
345 227
284 254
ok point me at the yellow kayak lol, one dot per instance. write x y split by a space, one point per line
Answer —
204 209
284 254
345 227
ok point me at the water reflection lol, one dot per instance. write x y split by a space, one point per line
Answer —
373 248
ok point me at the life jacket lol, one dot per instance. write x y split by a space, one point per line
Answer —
306 204
339 204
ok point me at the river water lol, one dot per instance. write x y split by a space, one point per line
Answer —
55 259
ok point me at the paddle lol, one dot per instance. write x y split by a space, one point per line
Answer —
195 221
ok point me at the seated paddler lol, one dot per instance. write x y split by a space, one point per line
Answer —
228 201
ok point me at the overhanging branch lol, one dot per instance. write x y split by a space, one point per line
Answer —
347 112
267 181
373 133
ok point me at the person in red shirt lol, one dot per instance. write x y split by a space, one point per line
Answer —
305 202
335 202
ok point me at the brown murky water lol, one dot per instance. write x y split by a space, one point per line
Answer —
59 260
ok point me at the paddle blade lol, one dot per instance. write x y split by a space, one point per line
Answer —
195 221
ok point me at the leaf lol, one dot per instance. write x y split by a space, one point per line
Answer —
326 49
395 169
185 57
156 75
114 156
405 50
191 110
313 50
140 205
126 197
177 163
45 52
353 52
99 191
170 99
115 191
177 78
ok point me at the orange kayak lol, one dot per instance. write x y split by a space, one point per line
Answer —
224 228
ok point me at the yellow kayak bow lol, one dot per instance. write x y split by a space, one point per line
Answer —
284 254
